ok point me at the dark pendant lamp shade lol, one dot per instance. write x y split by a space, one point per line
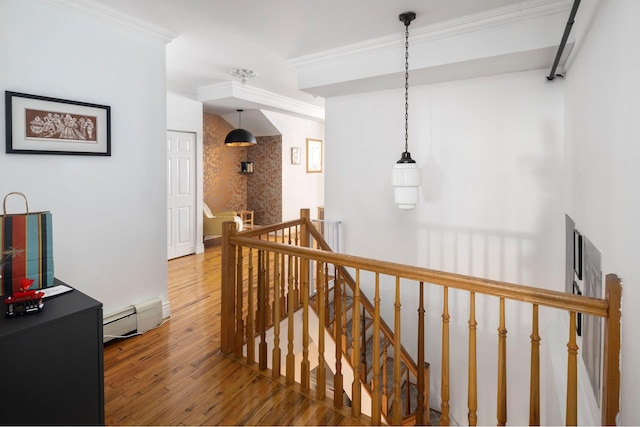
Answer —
240 137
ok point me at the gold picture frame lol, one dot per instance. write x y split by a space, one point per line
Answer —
314 155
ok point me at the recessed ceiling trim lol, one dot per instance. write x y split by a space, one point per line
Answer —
476 22
117 18
262 97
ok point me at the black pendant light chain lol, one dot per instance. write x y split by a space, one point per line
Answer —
406 88
406 17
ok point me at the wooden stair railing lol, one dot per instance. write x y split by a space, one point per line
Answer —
283 283
356 343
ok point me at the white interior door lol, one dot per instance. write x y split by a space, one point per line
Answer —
181 194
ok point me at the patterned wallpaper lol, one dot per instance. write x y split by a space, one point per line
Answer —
264 189
226 189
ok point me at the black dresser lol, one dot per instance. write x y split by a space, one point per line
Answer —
51 363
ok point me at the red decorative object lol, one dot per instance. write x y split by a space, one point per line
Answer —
25 301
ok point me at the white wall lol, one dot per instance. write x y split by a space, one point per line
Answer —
185 115
603 131
109 213
299 188
491 150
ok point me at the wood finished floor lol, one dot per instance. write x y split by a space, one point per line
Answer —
176 375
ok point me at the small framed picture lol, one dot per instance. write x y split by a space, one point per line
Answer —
41 125
295 155
314 155
577 253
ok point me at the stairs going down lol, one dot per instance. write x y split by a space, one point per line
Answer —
408 385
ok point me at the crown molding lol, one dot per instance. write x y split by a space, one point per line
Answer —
500 16
264 98
117 18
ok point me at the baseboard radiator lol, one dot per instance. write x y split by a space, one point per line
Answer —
138 318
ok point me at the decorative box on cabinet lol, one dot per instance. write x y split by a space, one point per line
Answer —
52 363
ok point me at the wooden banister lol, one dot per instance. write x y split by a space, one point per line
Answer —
291 282
529 294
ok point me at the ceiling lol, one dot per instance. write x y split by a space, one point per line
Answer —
212 37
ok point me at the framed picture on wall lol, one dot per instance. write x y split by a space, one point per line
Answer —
577 253
41 125
314 155
295 155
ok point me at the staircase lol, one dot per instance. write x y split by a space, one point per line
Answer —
343 287
408 387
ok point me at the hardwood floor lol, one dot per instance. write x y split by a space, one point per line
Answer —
176 375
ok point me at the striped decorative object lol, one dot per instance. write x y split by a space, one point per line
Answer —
27 249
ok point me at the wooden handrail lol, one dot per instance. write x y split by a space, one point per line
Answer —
528 294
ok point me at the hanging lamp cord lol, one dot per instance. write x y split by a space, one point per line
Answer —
406 88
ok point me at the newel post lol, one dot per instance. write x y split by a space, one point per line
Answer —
305 366
611 363
228 279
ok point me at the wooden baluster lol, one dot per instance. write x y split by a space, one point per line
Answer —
534 392
407 391
611 356
473 378
355 349
502 368
275 354
251 337
385 379
376 418
572 373
444 389
305 366
327 314
396 414
363 345
283 281
321 375
343 314
267 293
229 304
296 281
420 411
262 311
338 385
290 372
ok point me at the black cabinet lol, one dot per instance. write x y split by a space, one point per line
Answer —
51 363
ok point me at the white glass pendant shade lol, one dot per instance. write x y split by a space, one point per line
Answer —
407 178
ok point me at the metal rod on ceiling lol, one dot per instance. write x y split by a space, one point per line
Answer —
565 36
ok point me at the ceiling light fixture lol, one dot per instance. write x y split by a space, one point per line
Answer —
243 74
240 137
406 173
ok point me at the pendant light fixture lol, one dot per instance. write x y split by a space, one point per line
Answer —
240 137
406 173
